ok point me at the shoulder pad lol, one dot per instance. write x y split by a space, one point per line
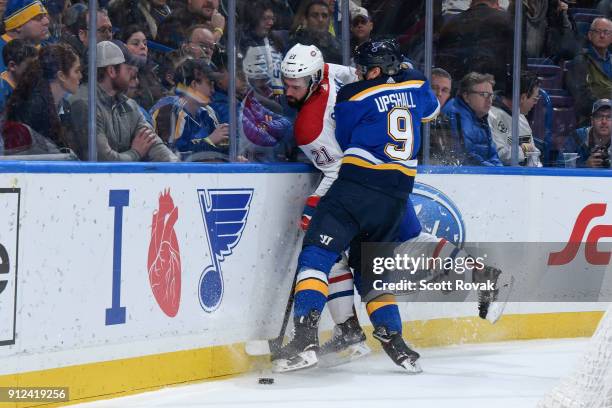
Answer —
352 89
309 123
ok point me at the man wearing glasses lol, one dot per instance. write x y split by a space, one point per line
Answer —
589 74
592 143
200 43
468 114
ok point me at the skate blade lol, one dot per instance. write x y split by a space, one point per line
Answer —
303 360
496 309
351 353
412 367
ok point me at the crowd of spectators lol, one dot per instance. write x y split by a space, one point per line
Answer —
162 76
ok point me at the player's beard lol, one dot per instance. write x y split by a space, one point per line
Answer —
296 103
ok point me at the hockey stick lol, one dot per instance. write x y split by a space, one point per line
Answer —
276 343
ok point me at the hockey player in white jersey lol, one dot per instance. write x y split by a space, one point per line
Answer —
311 86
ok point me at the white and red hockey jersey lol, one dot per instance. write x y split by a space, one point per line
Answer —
315 125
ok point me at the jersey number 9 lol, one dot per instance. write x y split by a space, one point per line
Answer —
399 128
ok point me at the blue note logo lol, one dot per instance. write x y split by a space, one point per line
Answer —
225 213
438 214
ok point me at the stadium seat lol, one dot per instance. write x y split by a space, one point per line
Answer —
581 10
540 61
551 120
583 22
551 76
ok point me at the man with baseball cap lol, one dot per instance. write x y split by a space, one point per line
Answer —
361 26
122 133
592 143
25 20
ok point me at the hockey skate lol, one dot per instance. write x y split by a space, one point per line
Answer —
396 348
301 351
348 343
491 303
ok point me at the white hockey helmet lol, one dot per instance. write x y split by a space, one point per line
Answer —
255 65
303 61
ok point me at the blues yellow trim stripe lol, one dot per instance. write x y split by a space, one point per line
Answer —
385 166
312 284
381 301
379 88
22 16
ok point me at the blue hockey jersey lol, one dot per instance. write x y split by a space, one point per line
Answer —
378 127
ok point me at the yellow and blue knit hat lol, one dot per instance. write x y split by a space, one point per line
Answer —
19 12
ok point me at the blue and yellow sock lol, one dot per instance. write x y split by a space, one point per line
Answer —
383 311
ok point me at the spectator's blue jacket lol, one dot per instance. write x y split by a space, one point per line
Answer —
4 39
6 89
476 133
577 142
220 104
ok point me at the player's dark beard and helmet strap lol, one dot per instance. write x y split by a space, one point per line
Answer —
300 102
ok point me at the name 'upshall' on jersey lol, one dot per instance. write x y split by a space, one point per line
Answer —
378 126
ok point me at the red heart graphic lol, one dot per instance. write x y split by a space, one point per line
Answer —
164 261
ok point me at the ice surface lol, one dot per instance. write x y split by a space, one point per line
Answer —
497 375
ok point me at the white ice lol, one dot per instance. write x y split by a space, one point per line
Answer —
497 375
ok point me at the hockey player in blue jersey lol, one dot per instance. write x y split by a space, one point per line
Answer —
377 126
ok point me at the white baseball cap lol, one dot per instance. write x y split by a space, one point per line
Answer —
108 54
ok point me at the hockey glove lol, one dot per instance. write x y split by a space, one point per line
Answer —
309 209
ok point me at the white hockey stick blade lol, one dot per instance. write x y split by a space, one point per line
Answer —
496 309
257 347
351 353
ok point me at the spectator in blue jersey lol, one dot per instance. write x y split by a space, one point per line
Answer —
185 121
24 20
468 115
592 143
17 54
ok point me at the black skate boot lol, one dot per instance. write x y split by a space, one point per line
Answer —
301 351
348 343
396 348
491 302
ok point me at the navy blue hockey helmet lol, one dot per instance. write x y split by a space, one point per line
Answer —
384 54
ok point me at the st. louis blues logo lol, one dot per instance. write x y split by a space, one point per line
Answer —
225 213
438 214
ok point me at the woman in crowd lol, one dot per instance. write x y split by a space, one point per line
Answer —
39 99
150 89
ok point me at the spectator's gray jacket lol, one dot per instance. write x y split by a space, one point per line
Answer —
117 121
